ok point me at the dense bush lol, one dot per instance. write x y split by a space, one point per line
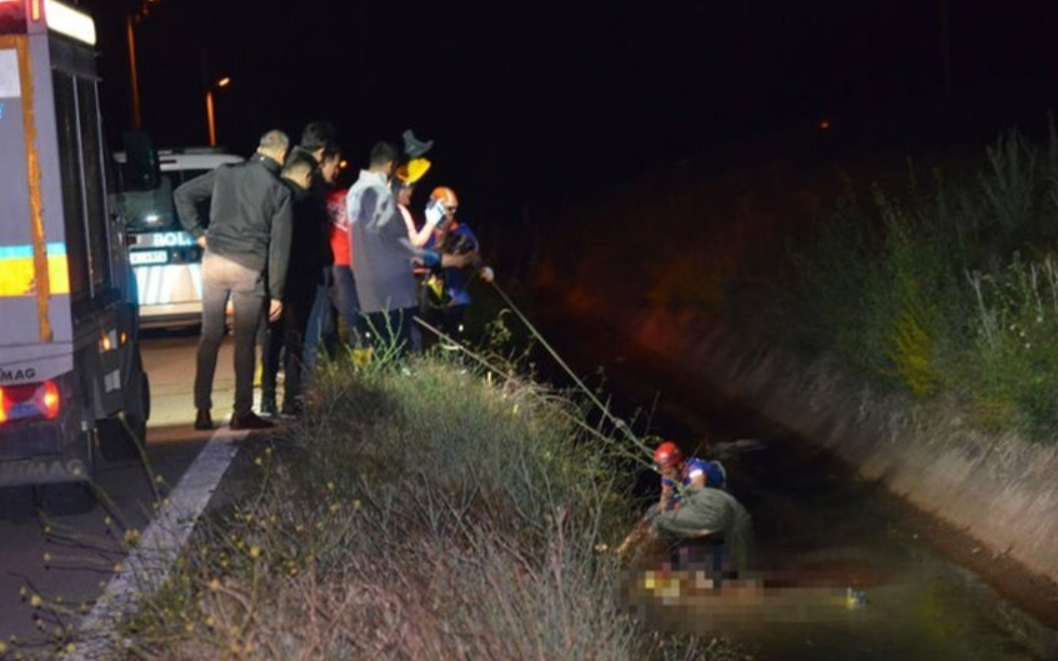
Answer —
947 289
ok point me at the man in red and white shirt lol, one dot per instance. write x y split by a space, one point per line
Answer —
346 300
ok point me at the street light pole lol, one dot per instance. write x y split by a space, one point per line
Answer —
210 116
137 119
131 21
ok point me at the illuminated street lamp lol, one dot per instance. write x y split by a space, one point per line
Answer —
210 119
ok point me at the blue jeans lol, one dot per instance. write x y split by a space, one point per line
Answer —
222 278
321 327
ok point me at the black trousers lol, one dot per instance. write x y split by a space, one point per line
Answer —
283 343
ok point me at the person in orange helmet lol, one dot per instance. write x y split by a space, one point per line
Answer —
445 289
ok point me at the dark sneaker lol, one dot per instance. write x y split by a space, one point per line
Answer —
249 421
268 406
203 420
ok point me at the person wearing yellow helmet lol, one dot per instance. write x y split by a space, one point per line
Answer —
407 176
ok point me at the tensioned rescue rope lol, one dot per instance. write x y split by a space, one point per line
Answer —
502 372
605 410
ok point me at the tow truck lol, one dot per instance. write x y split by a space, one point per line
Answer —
72 382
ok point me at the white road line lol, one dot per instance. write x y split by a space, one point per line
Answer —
149 564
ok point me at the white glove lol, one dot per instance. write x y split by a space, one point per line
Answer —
435 211
486 273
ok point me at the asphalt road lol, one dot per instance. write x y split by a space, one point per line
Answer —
68 560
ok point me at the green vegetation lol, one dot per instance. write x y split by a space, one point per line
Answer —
423 510
949 289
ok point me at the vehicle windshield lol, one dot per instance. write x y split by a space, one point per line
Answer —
153 210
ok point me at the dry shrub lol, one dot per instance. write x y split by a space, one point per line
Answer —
430 515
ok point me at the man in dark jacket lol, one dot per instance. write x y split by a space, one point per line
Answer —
246 250
319 139
284 338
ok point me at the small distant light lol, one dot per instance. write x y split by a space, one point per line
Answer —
224 82
343 164
824 124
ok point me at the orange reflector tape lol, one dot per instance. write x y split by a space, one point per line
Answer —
18 277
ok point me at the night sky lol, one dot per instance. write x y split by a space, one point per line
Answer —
532 100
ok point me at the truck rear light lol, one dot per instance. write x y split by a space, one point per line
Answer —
34 400
50 400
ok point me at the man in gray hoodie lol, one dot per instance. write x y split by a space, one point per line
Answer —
246 247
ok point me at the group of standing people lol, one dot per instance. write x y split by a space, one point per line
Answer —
385 238
286 249
281 238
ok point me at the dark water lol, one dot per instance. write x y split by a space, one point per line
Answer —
866 585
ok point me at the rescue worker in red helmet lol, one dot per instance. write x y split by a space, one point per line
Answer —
694 504
677 470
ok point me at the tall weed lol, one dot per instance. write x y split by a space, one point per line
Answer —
1010 374
420 511
931 291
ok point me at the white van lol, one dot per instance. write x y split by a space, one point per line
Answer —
165 259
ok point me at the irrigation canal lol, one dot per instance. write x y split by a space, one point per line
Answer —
873 582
